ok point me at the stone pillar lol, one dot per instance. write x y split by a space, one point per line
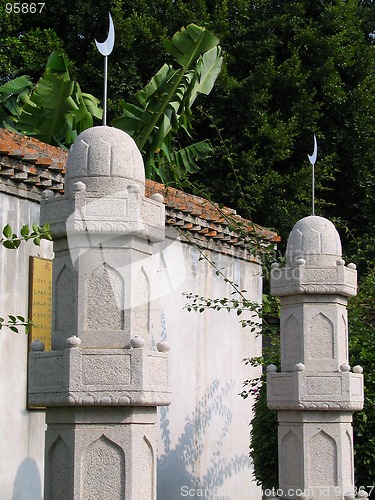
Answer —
103 380
316 392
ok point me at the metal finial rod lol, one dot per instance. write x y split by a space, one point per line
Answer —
105 90
312 160
105 48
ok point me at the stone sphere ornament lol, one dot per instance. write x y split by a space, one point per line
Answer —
163 346
37 346
299 367
271 368
72 342
137 342
357 369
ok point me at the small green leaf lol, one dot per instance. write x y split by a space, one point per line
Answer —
9 244
14 329
25 231
7 231
37 242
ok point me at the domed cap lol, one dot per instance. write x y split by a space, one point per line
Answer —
315 240
106 160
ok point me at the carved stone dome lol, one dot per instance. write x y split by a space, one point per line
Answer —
315 240
106 160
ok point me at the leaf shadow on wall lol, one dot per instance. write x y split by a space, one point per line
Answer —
176 467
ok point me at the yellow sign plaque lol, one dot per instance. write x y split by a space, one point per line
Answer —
40 301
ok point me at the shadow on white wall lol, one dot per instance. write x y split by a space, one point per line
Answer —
27 484
178 466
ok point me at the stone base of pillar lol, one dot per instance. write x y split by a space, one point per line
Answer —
315 455
112 449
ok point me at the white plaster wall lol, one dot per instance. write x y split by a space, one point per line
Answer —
22 431
204 435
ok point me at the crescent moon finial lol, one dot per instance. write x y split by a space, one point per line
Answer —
313 157
106 47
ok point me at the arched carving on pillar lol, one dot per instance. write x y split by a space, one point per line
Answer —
105 287
103 470
349 452
59 477
291 459
151 460
344 326
141 308
63 302
292 342
321 338
322 473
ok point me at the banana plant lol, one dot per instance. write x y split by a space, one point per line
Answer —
55 110
12 97
164 107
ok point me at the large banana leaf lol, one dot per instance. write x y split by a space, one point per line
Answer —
56 110
12 98
187 157
171 166
187 44
165 102
208 69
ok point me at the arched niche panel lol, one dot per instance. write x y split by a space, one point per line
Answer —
322 460
64 299
105 291
103 471
321 338
141 303
292 342
291 459
58 469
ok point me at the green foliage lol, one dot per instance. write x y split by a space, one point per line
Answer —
55 111
295 68
362 352
12 241
237 302
263 442
13 95
24 48
164 107
15 322
263 434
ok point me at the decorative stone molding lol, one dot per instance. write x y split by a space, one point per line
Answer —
315 406
324 390
99 377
